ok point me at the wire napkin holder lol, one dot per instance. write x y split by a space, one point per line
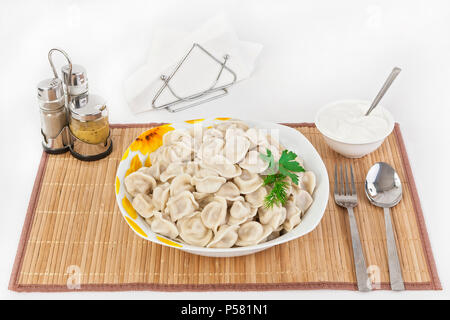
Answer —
211 93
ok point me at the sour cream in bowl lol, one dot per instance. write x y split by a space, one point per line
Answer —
348 131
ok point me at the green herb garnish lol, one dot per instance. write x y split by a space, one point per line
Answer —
279 171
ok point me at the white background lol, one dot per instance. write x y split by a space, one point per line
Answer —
314 52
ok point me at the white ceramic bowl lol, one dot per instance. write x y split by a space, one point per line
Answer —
351 149
290 138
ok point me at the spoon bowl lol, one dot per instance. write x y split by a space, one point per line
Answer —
383 185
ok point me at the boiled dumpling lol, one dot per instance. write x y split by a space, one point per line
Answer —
256 137
203 172
225 237
307 181
183 152
274 216
274 140
138 182
146 170
248 182
251 233
222 166
253 162
205 200
200 195
155 169
160 196
241 209
193 231
208 184
210 148
256 198
289 186
177 136
143 204
177 152
232 221
252 135
155 156
223 126
302 199
234 131
211 134
240 212
236 147
190 167
292 215
172 171
181 205
229 191
181 183
163 226
214 213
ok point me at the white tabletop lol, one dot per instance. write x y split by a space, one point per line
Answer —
314 52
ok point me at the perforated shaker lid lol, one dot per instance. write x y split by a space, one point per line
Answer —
51 93
76 82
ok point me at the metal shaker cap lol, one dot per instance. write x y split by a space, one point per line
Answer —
88 107
77 81
51 93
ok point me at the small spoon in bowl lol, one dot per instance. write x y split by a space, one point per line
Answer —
384 88
384 189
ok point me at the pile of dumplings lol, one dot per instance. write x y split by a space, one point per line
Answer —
205 188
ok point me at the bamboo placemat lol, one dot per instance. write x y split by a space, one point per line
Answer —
74 230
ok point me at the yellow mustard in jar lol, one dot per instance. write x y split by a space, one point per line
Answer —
89 119
93 132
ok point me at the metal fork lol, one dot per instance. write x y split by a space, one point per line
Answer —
345 196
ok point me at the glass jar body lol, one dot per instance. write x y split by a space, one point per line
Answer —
91 131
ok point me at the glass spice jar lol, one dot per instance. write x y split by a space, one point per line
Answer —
88 120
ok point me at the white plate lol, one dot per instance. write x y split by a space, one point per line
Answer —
290 138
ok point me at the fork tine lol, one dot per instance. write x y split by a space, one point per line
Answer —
348 190
336 190
353 180
342 182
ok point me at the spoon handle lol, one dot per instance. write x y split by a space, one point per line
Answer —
395 272
362 278
386 85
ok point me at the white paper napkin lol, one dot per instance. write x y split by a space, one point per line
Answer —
199 71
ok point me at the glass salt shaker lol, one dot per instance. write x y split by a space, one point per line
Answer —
53 114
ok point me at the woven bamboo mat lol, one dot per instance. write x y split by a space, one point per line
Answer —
74 231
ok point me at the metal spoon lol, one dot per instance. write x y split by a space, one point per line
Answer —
384 88
384 189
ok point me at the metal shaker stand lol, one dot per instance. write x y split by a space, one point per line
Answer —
80 149
211 93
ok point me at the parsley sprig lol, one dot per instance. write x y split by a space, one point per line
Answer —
278 174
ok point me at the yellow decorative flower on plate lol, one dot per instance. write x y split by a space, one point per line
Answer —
150 140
